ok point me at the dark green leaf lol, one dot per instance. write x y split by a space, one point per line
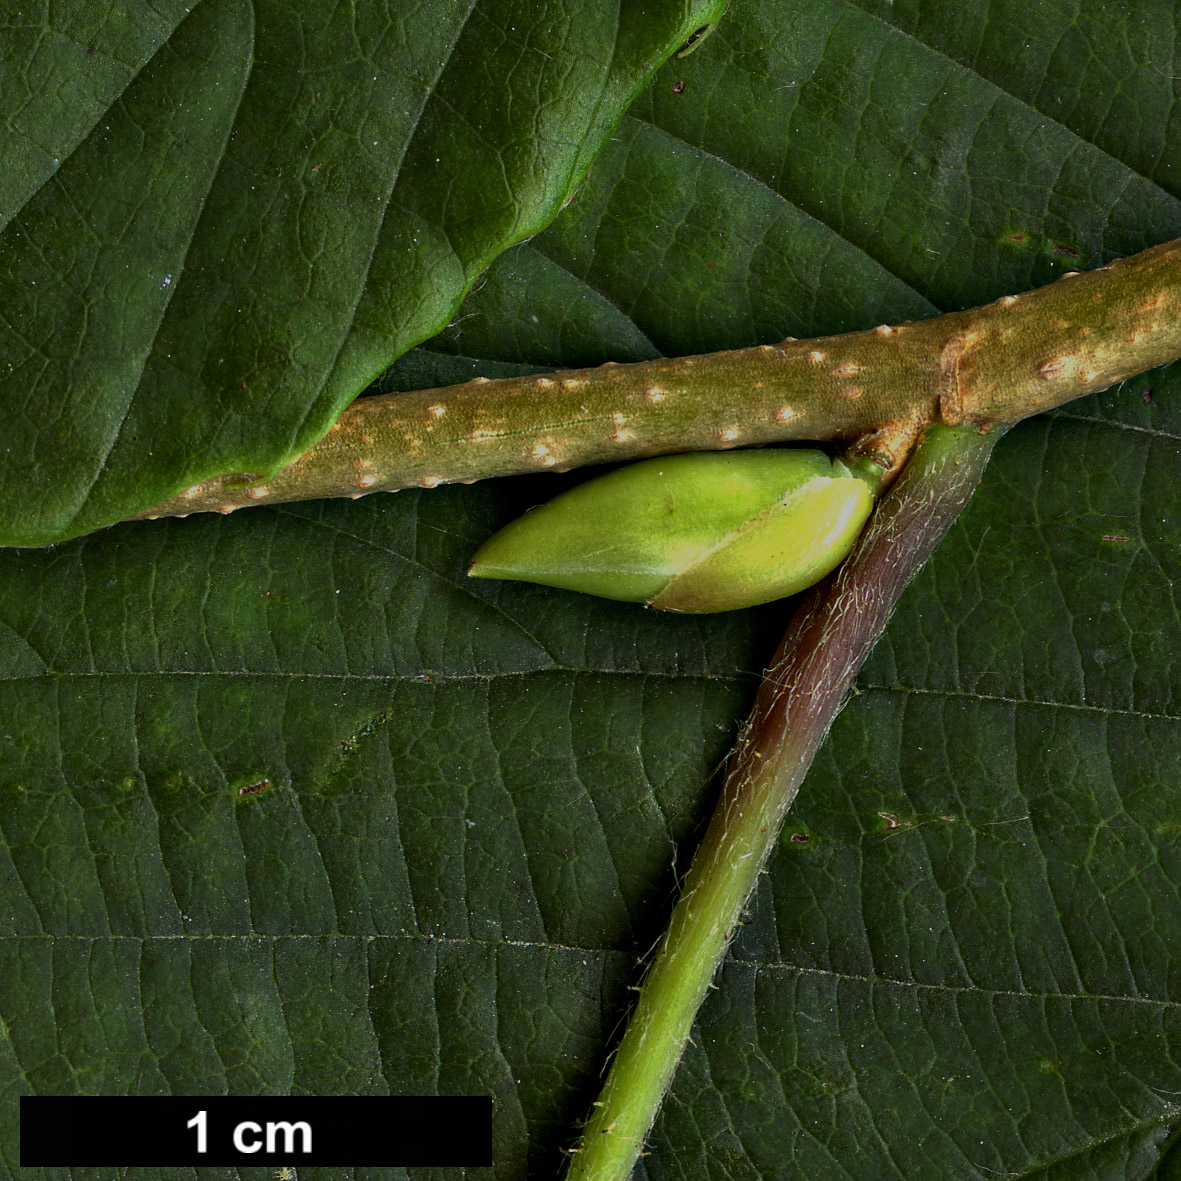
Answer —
287 803
252 208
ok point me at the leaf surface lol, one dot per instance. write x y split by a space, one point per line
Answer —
253 207
286 803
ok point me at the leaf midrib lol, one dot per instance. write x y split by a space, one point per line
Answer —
735 961
442 677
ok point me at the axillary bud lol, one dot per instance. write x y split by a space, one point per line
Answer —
690 533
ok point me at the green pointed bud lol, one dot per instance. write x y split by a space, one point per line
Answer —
697 533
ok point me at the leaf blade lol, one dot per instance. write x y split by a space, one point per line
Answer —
279 204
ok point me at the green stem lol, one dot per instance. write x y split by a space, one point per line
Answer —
999 363
828 640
